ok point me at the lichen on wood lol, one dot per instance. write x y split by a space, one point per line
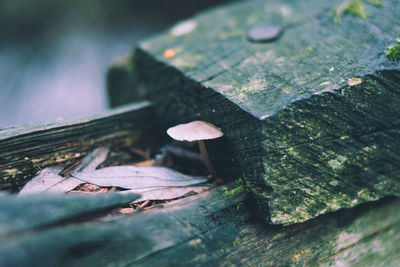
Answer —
353 7
393 53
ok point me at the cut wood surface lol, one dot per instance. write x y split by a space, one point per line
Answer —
211 228
26 149
312 119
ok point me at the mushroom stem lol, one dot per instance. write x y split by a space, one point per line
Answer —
206 159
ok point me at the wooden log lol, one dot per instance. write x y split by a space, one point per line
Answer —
211 228
26 149
312 118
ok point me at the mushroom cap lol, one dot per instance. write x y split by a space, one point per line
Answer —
194 131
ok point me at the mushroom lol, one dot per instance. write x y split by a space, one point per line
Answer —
197 131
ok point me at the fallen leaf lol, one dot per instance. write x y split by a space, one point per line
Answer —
92 160
48 180
153 183
166 193
135 177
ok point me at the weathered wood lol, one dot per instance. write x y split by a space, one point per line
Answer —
31 213
211 228
24 150
312 118
122 76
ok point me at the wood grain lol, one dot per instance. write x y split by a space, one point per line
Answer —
311 120
213 228
26 149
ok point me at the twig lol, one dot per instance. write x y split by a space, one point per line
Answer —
141 206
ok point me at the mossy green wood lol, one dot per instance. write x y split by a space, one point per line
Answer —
212 228
53 210
312 118
26 149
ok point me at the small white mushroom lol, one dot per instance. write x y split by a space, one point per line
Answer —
197 131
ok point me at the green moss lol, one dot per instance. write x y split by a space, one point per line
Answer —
356 8
229 191
353 7
393 53
375 3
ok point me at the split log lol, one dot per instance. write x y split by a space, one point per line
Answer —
312 118
26 149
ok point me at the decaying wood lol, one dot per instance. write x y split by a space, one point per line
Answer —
25 150
313 123
211 228
313 118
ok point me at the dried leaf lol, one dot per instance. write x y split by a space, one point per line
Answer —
166 193
92 160
48 180
155 183
134 177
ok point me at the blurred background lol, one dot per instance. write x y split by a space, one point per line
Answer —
54 54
